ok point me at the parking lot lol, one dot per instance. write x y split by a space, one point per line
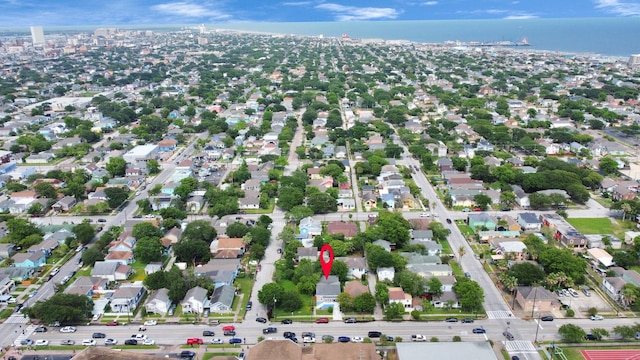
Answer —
581 303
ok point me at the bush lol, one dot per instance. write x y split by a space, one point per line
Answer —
397 339
367 340
415 314
434 339
260 338
456 339
571 313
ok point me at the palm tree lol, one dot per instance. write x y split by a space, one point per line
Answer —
461 251
625 209
628 295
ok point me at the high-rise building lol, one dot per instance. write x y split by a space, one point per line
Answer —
37 35
634 60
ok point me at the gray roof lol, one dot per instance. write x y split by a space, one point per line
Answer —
328 287
197 293
477 350
104 268
160 295
223 295
422 234
529 218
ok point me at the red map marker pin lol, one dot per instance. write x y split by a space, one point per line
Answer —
326 265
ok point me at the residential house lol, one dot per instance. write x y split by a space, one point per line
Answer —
327 291
348 229
251 200
111 271
448 299
7 285
355 288
398 296
158 302
29 260
536 298
222 299
370 201
563 231
383 244
480 221
87 286
507 223
357 266
309 253
151 268
127 297
600 257
167 145
231 246
7 250
346 204
195 300
45 246
529 222
386 273
309 227
509 246
613 286
522 198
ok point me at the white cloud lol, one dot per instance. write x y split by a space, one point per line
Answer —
430 3
619 7
184 8
353 13
520 17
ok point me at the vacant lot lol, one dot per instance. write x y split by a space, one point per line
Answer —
593 225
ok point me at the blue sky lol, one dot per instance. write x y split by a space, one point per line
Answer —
140 12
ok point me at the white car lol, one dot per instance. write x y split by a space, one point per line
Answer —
217 341
89 342
96 317
150 323
148 342
139 336
308 339
68 329
356 339
424 215
597 317
111 342
42 342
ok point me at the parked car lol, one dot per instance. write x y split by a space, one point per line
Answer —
187 354
102 220
112 323
139 336
286 321
586 292
67 342
547 318
479 331
344 339
217 341
261 320
42 342
249 305
89 342
150 323
235 341
323 320
148 341
451 319
350 320
308 340
194 341
467 321
208 333
228 327
229 333
590 337
27 342
40 329
288 334
131 342
111 342
374 334
98 335
597 317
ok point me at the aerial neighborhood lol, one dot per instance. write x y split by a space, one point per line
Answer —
192 176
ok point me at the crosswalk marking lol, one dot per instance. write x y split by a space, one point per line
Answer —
519 346
502 314
17 319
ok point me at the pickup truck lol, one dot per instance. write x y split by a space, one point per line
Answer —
418 337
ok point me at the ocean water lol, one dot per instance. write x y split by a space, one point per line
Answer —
604 36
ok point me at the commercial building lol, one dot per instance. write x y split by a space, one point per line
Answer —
141 153
446 350
37 35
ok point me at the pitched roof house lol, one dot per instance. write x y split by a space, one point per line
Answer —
222 299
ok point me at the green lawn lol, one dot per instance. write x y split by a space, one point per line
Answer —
208 356
446 249
592 226
307 302
245 284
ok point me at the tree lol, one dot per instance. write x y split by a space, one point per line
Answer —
146 229
339 269
410 282
257 251
65 308
572 333
116 166
599 333
200 230
156 280
192 251
393 311
115 196
91 255
144 205
625 259
153 167
84 232
435 286
173 213
470 294
527 273
364 303
148 249
624 331
260 235
322 203
298 213
289 197
377 257
382 293
482 201
45 190
608 166
556 260
264 221
291 301
346 302
237 230
270 294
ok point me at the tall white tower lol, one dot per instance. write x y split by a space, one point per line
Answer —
37 35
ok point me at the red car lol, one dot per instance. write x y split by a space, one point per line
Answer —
322 321
228 328
194 341
112 323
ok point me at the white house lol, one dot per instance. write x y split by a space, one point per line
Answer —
357 266
195 300
398 296
386 273
158 302
222 299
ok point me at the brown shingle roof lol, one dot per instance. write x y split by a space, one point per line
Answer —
287 350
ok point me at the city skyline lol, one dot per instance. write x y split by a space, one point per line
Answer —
141 12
